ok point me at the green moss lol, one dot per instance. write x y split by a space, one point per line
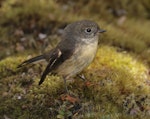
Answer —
130 37
119 76
7 66
117 82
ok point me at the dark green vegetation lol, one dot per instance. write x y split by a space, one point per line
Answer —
119 77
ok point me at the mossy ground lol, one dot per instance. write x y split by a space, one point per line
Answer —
118 80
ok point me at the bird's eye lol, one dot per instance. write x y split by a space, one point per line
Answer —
88 30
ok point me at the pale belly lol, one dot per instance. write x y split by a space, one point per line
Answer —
78 61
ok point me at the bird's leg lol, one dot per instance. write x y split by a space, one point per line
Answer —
68 97
65 84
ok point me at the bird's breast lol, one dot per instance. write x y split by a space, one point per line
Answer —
83 55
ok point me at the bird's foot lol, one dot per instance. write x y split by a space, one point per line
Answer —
88 83
70 98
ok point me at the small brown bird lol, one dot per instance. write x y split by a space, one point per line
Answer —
76 50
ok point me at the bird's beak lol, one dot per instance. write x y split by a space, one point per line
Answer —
101 31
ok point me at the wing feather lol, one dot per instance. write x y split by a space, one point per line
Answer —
54 57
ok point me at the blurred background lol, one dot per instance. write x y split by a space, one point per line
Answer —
26 25
122 66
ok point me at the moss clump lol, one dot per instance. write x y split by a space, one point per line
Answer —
8 66
118 88
120 80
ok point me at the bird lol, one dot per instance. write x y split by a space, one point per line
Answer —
75 51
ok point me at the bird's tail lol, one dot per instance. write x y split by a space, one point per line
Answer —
34 59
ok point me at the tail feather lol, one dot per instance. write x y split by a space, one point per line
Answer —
34 59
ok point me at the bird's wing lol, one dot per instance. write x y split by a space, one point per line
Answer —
57 56
52 63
